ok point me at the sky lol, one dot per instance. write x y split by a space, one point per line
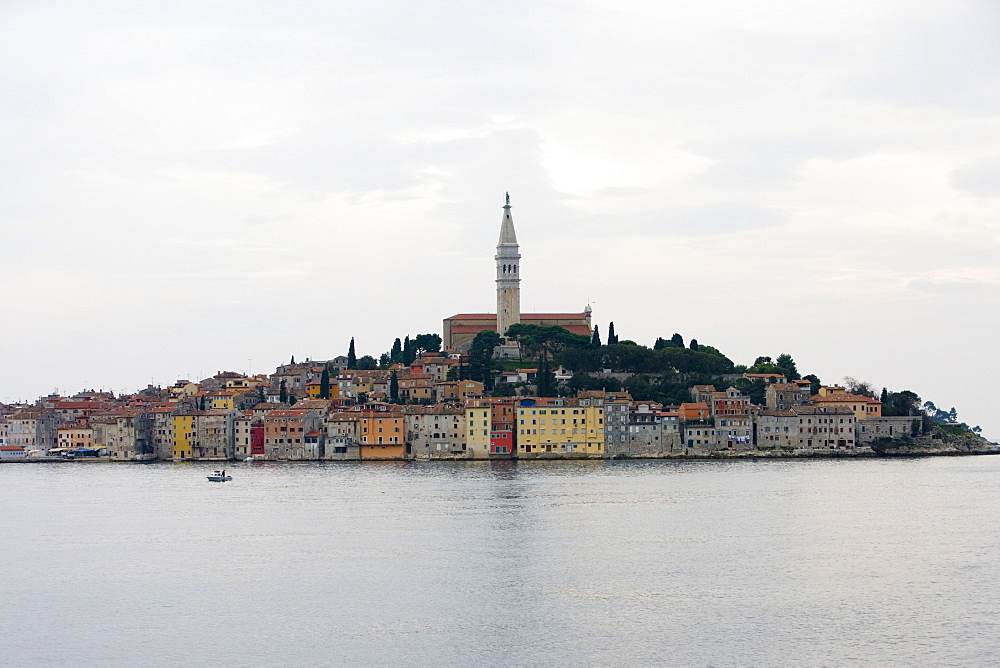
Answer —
190 187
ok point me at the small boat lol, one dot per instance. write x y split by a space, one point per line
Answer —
219 476
249 459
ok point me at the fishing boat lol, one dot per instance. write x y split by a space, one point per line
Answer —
219 476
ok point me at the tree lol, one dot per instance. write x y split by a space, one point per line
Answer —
639 388
260 394
352 358
787 364
505 390
292 399
283 392
409 351
660 343
384 361
902 403
595 338
396 352
367 362
293 360
324 384
481 357
394 387
814 383
677 340
694 344
860 387
545 379
612 337
201 403
428 342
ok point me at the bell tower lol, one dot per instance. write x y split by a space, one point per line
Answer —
508 274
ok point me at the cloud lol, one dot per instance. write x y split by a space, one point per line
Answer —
764 159
980 177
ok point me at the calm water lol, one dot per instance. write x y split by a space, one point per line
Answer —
694 563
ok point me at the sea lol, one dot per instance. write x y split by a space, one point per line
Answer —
690 563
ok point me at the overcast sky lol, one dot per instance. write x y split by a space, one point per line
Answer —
191 187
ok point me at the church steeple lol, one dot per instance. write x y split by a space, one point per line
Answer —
507 235
508 274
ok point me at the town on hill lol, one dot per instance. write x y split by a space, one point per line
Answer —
503 385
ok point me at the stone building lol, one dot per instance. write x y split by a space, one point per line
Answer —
125 435
285 432
808 428
342 436
886 426
782 396
438 432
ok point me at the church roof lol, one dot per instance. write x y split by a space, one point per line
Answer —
507 235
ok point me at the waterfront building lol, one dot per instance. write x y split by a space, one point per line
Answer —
560 426
438 432
807 427
478 420
732 422
885 426
76 434
34 429
125 435
382 434
502 432
342 436
285 433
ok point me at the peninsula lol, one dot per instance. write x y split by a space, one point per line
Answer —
503 385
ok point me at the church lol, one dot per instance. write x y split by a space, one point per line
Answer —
460 329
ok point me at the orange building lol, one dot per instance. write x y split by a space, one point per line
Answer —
382 435
693 411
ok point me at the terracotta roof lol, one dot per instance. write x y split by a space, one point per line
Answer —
840 398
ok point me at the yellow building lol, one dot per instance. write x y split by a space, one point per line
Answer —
563 426
184 428
478 418
224 399
836 397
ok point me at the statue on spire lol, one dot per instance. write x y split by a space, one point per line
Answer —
508 199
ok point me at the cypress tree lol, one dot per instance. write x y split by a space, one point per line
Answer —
352 358
677 340
283 393
595 338
324 384
612 337
409 351
394 387
293 359
396 354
